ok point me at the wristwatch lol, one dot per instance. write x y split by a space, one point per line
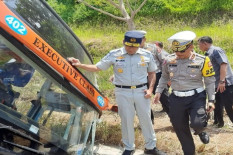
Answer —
222 81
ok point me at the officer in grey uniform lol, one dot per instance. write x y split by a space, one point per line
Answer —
159 54
189 72
224 79
131 66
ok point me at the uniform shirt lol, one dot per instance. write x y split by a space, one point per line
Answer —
217 57
159 56
188 74
129 70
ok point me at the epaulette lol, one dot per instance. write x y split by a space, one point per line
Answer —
149 47
199 55
116 52
145 50
171 58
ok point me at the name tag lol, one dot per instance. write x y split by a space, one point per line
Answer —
172 65
194 66
120 60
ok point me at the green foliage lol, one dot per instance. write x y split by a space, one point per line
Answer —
65 9
77 13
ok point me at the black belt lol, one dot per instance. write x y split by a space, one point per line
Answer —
131 87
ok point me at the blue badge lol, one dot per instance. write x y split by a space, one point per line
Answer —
100 101
15 25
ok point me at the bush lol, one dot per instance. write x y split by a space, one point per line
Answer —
186 10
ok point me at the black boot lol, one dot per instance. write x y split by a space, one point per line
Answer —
204 137
154 151
128 152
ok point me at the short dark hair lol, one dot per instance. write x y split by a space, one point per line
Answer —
206 39
159 43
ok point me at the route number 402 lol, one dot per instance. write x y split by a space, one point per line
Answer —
15 25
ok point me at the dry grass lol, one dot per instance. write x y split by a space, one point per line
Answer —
221 143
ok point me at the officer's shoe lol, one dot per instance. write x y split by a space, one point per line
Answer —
204 137
154 151
215 122
220 124
128 152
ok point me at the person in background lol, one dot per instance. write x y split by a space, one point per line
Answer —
224 79
156 48
13 72
189 73
131 66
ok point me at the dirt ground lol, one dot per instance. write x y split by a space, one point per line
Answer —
221 139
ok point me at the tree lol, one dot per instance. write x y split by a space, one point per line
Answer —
127 17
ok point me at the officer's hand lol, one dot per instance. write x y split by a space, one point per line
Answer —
210 107
157 98
169 83
148 93
74 61
221 87
111 78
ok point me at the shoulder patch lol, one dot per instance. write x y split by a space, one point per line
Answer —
116 52
145 50
200 56
170 59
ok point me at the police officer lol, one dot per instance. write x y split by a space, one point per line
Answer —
187 70
131 66
224 79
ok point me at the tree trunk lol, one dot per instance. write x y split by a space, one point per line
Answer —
131 25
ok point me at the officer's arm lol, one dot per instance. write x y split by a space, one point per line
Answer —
162 55
223 71
164 78
210 87
91 68
151 80
209 79
75 62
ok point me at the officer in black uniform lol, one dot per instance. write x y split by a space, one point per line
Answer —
187 70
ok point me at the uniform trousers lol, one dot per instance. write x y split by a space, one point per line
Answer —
218 111
184 110
129 101
224 99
